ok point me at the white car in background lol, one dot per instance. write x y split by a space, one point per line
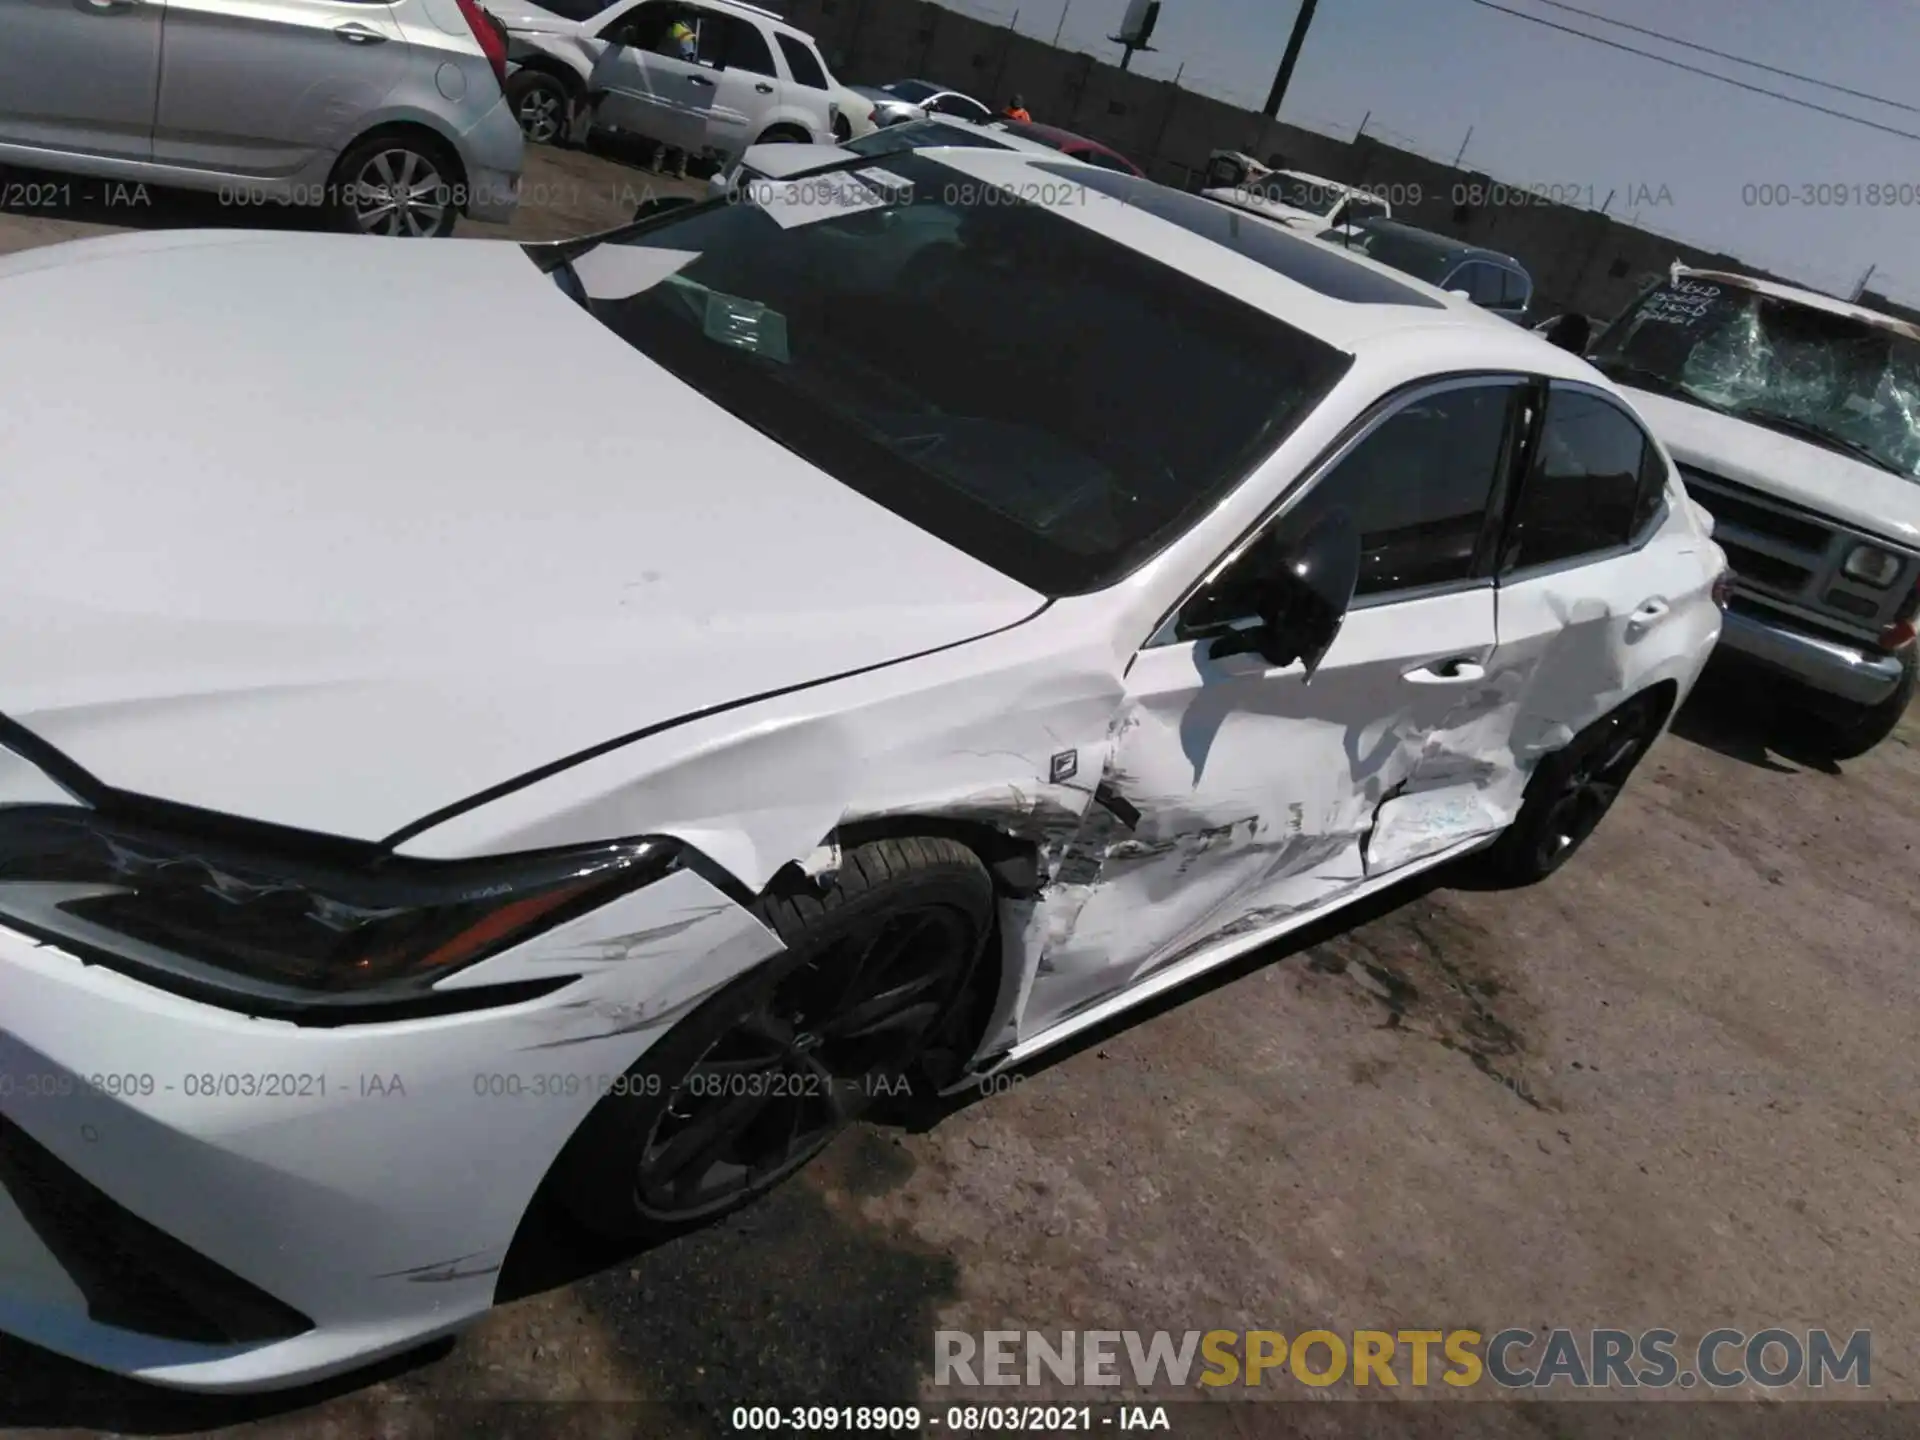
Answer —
904 100
1301 201
905 672
754 77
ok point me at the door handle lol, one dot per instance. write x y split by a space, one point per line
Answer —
1460 670
699 80
764 88
354 33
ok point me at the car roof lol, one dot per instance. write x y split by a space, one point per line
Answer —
1346 300
1004 136
778 22
1812 299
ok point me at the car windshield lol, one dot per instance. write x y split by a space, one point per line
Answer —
1297 192
919 135
1829 378
911 91
1411 254
987 366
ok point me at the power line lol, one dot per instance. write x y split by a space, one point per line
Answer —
1724 55
1696 70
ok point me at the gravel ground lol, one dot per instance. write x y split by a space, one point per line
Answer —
1675 1086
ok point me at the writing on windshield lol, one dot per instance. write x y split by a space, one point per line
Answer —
1819 374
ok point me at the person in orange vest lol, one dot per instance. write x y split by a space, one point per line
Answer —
1017 110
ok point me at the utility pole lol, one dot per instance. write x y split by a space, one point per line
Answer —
1063 24
1861 288
1463 148
1291 58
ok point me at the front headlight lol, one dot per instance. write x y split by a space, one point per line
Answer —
1871 565
279 927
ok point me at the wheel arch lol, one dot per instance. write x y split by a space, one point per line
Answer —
540 62
410 127
1017 864
786 128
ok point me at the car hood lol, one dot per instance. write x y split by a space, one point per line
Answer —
1785 466
336 532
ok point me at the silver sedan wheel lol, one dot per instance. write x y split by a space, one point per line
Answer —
539 115
400 192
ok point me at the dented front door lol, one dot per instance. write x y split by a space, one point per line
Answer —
1239 794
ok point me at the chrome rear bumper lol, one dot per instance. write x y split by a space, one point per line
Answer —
1852 673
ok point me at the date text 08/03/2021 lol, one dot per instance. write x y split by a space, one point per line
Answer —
958 1419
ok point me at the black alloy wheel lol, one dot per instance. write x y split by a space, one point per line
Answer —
1598 768
1572 791
812 1051
761 1077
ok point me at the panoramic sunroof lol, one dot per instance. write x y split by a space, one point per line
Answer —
1300 260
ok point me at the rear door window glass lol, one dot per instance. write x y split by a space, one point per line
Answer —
1583 495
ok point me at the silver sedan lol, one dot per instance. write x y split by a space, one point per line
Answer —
388 118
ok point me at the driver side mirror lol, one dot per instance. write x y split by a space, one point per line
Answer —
1306 601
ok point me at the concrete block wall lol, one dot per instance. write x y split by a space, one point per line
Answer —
1580 259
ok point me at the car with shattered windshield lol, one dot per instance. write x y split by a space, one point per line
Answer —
1795 418
1081 584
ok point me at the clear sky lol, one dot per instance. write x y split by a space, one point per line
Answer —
1550 109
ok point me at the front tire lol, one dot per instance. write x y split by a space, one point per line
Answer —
1572 791
541 104
759 1080
399 185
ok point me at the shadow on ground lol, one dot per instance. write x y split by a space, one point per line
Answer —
1745 717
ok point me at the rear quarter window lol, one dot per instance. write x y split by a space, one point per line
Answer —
802 63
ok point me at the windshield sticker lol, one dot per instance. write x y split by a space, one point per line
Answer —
619 272
746 325
808 201
896 190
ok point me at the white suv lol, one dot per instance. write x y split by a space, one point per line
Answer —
751 78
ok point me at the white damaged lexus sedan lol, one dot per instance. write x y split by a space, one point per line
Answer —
993 591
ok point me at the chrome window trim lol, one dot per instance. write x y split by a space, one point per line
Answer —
1381 411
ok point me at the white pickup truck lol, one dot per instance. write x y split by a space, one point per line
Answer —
1795 420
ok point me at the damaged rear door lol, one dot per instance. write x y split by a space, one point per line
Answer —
1239 794
1602 587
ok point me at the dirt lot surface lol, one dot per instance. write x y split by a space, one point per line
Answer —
1675 1086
